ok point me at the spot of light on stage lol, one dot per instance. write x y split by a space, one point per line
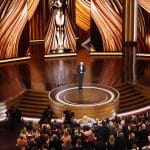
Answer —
61 64
61 73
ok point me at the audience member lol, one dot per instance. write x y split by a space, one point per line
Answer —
68 116
14 118
100 144
104 135
47 115
55 143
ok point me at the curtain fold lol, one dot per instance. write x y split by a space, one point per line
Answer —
11 26
109 23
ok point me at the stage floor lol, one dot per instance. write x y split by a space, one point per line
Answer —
91 100
90 95
53 73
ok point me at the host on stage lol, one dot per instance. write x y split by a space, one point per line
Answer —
80 73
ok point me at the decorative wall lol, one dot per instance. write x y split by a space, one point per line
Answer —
25 20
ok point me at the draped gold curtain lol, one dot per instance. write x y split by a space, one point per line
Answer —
107 17
32 5
83 14
145 4
13 19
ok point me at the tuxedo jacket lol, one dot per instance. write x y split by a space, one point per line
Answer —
80 69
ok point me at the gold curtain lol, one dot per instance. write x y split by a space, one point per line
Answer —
83 14
32 5
13 19
145 4
107 16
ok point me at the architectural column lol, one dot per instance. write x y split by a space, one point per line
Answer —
130 39
37 65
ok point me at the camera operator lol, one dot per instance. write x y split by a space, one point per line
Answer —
68 116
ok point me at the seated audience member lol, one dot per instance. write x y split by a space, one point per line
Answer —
24 133
67 141
100 144
111 127
67 146
29 126
55 143
78 145
87 121
43 141
87 131
21 143
102 130
121 143
66 137
88 138
46 129
76 136
32 144
143 136
133 140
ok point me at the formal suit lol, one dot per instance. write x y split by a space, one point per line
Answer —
80 74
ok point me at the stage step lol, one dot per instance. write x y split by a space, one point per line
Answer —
131 98
7 104
34 103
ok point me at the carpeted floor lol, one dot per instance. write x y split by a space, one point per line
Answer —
7 138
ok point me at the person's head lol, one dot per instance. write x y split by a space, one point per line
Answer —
54 137
66 133
81 63
143 126
132 135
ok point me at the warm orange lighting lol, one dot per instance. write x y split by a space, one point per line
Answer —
148 40
109 22
11 26
32 5
145 4
83 14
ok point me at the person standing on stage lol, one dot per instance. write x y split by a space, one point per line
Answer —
80 73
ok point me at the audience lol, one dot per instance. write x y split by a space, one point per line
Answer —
119 133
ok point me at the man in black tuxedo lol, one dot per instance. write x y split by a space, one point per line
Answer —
68 116
80 73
